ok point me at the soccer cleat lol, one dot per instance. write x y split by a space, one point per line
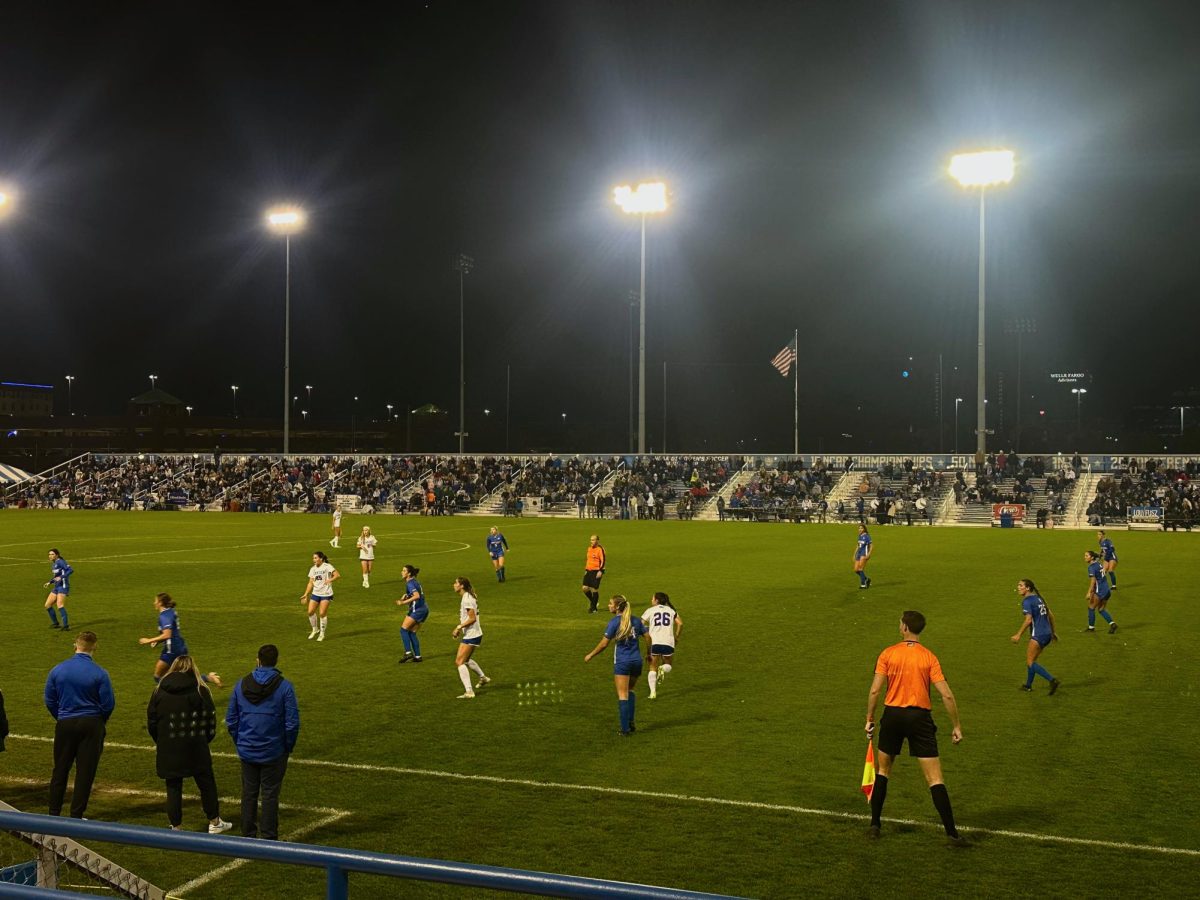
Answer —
956 840
862 586
469 695
1028 689
221 827
331 543
622 734
1090 628
868 582
417 659
312 634
873 833
483 679
407 657
654 695
1112 628
321 637
1054 683
55 625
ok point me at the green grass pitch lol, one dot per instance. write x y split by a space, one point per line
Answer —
765 705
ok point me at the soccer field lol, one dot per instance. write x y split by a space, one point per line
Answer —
744 774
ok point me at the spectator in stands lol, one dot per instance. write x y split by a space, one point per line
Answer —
263 719
3 723
182 721
721 508
79 696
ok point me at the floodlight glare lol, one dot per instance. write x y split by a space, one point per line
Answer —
285 219
8 200
649 197
982 169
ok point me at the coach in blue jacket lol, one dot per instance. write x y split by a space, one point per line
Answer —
264 722
79 696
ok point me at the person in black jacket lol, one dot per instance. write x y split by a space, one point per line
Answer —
3 723
182 720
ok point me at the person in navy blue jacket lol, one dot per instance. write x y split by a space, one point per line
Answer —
79 696
264 722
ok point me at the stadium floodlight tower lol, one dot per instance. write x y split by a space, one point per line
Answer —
286 220
982 170
645 199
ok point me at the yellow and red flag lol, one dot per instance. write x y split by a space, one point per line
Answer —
868 783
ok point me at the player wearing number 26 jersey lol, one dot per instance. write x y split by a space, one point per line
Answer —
664 625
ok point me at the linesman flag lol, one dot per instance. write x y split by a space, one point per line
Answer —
868 784
784 358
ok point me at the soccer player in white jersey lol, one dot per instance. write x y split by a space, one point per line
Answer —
366 554
321 577
664 624
335 542
472 637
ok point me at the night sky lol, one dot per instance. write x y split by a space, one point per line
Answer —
804 144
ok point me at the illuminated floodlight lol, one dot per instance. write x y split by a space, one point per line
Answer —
648 197
286 219
8 200
983 169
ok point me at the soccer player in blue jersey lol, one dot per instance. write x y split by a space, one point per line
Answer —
1098 592
60 588
174 646
1109 557
1040 622
862 553
496 545
628 631
418 612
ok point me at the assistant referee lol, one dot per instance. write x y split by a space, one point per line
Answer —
908 669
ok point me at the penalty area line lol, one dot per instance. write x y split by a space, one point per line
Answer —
689 798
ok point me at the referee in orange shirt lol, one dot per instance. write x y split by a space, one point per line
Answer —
593 571
908 669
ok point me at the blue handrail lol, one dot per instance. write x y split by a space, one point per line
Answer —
338 863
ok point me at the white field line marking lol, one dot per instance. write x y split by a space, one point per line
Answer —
685 798
461 547
220 871
329 815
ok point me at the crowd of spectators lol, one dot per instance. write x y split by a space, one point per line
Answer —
1173 491
1006 478
647 487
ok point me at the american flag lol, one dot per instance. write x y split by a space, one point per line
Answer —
784 358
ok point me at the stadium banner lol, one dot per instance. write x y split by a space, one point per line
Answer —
1016 510
1152 514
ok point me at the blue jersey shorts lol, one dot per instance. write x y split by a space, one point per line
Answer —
1042 640
474 642
662 649
419 615
60 589
632 667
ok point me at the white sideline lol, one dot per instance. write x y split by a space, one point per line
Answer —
687 798
329 816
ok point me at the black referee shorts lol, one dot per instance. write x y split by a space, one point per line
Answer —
591 579
911 723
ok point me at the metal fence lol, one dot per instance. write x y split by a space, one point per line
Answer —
337 863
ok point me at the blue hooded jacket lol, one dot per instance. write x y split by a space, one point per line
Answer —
78 687
263 718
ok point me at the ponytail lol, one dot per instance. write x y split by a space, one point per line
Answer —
626 627
662 599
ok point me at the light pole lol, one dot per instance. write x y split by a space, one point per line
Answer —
308 387
189 411
646 198
1079 392
634 303
354 427
286 220
1181 409
304 412
234 388
957 400
463 265
982 170
71 380
1020 326
390 407
153 380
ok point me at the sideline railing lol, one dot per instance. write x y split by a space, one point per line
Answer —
337 863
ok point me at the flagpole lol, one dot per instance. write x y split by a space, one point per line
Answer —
796 398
